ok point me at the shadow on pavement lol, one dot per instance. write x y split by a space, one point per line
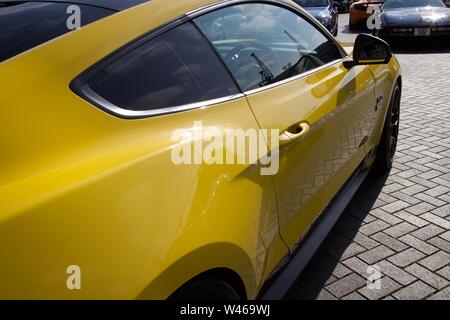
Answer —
324 264
346 30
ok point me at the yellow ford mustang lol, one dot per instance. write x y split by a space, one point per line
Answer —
93 203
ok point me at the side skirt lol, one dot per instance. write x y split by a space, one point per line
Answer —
277 288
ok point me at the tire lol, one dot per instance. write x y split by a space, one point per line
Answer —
207 288
389 139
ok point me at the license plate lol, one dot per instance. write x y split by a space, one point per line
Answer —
422 31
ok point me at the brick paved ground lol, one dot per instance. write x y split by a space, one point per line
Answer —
399 222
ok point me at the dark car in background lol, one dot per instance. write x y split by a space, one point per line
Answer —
406 19
326 11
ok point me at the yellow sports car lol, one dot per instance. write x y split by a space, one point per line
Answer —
110 184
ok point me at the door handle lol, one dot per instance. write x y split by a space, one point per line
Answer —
294 133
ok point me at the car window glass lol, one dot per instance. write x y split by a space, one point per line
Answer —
176 68
25 25
262 44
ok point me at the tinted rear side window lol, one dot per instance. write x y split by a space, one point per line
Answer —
24 25
176 68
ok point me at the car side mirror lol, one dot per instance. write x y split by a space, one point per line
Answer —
369 49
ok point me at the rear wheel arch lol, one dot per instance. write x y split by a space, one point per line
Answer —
221 260
389 138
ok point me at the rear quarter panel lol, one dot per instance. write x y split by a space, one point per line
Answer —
81 187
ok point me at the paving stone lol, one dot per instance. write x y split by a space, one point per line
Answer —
420 208
325 295
414 189
431 200
400 229
346 285
436 220
415 291
385 216
387 286
395 206
351 250
440 243
386 198
393 187
406 257
427 276
376 254
445 198
354 296
412 219
427 232
436 261
445 236
390 242
437 191
418 244
396 273
445 272
441 295
430 174
423 182
446 176
405 197
357 265
443 211
330 279
341 271
365 241
373 227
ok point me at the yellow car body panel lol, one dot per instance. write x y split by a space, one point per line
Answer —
81 187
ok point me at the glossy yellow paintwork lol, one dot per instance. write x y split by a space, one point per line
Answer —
81 187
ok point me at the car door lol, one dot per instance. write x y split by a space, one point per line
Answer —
293 76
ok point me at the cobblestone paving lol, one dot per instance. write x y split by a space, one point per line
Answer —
399 222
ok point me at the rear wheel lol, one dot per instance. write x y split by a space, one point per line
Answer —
207 288
389 139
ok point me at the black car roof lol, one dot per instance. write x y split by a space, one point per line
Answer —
117 5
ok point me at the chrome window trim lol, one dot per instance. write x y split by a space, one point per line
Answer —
111 108
297 77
